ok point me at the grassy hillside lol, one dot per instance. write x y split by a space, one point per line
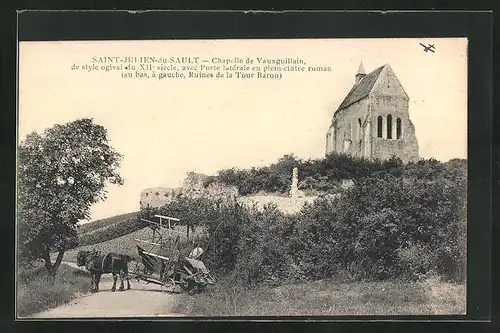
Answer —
98 224
125 244
109 228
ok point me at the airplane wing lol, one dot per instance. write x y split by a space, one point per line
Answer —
423 45
432 50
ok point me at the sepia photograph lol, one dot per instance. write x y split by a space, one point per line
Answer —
242 177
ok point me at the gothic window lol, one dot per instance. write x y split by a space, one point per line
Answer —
379 126
332 139
398 128
348 132
347 137
359 129
347 145
389 127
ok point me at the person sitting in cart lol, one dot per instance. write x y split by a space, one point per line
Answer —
197 252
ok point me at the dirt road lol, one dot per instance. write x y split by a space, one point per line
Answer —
143 300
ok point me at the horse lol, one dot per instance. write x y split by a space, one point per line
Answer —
98 264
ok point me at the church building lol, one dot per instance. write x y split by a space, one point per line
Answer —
373 120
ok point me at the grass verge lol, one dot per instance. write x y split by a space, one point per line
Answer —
327 298
35 293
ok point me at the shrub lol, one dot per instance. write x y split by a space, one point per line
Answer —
262 254
377 224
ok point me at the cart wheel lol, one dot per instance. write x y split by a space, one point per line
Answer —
168 285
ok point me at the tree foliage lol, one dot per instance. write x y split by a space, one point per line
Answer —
62 173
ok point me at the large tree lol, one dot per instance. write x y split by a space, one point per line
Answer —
62 173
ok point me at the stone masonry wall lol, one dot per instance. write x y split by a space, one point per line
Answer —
346 126
384 103
156 197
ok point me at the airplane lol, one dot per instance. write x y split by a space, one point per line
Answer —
428 48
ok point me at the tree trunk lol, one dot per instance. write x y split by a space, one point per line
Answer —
52 268
59 258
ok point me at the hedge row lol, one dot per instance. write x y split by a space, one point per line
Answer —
319 174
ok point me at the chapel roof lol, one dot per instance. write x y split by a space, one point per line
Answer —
362 89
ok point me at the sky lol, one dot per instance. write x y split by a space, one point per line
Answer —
166 128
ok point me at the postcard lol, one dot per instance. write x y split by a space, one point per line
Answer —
242 177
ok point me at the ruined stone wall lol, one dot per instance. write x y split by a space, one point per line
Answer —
156 197
348 129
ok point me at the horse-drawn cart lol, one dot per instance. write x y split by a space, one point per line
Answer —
163 264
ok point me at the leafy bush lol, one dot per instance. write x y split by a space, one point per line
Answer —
381 227
236 239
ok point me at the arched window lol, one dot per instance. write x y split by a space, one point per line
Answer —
389 127
347 138
398 128
379 126
348 132
359 129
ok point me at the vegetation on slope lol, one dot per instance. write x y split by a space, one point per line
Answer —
406 223
322 175
103 223
123 226
124 244
36 293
